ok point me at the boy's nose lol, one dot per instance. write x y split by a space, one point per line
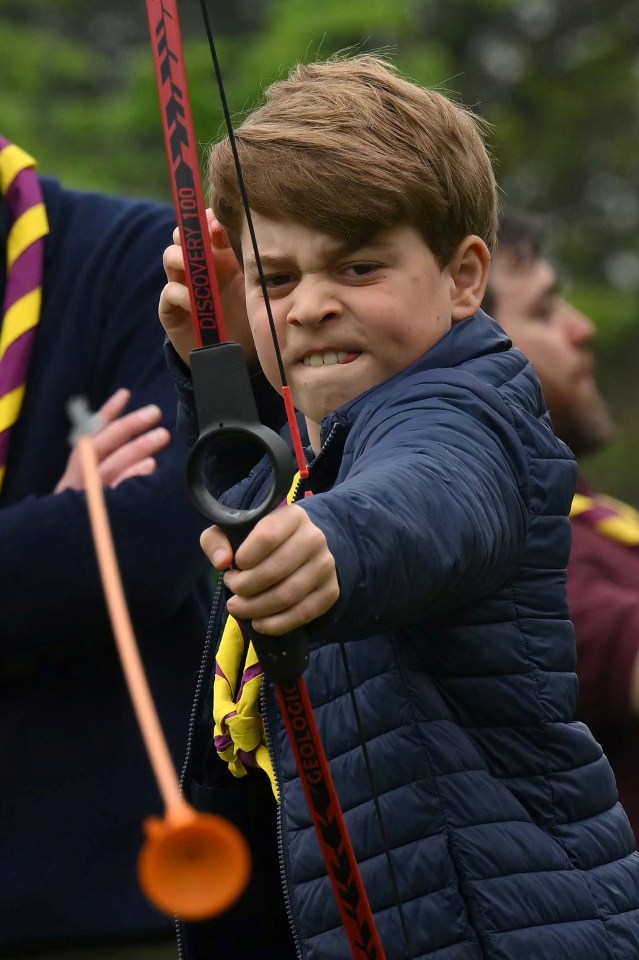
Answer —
313 303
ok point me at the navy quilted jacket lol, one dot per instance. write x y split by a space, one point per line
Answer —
444 495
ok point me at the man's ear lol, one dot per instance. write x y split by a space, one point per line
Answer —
468 269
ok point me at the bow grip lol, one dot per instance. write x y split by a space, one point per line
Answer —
229 429
283 658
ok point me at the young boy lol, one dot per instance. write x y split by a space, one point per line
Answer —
428 567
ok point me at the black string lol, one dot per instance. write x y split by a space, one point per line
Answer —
243 192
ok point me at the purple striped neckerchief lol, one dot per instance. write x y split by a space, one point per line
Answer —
22 302
611 518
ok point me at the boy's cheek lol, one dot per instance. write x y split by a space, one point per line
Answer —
266 356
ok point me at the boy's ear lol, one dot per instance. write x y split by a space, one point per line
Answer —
468 269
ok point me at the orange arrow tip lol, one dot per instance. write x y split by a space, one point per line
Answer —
193 865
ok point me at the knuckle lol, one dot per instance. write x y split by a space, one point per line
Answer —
175 292
266 533
172 257
326 595
305 613
287 595
327 565
317 539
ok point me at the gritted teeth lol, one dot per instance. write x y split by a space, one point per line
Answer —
325 359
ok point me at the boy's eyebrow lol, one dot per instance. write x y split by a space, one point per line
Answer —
267 260
341 248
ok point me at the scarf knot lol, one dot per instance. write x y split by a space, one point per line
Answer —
238 734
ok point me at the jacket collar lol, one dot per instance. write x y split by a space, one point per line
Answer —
474 337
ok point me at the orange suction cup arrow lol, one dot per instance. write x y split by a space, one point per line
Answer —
193 865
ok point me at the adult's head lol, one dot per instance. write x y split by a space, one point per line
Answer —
350 148
524 296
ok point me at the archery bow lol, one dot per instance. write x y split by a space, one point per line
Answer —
229 416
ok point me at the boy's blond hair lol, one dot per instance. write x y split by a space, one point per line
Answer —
349 147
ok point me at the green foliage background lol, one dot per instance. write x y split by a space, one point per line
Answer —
558 81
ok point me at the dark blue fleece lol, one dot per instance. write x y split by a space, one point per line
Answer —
75 784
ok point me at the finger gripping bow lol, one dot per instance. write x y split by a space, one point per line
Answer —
229 424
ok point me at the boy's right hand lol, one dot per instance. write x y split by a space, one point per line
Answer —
285 574
175 306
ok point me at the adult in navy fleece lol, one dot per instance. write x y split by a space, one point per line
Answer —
75 784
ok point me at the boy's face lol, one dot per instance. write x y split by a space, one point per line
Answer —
346 320
557 339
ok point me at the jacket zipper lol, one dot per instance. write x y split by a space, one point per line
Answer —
280 826
280 829
311 463
327 442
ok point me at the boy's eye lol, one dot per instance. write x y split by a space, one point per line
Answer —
278 280
363 269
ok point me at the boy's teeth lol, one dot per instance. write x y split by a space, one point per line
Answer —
324 359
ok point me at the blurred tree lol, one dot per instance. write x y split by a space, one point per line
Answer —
559 82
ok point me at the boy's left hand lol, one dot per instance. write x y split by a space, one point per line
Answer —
285 574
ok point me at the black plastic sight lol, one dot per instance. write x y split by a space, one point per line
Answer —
229 428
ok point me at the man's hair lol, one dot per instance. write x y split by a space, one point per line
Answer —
349 147
519 238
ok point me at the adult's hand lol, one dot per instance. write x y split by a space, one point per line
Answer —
125 445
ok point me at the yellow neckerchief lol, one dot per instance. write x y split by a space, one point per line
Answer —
613 519
239 731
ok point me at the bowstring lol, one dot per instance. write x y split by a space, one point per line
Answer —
290 411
